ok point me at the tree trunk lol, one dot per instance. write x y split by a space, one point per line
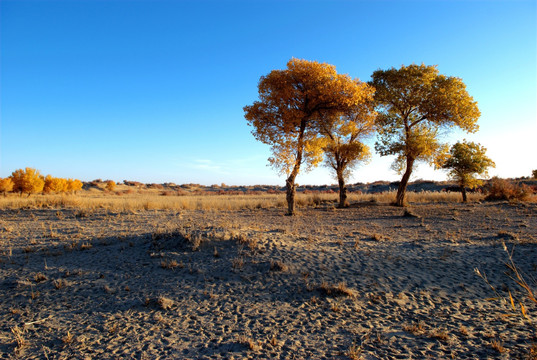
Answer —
463 191
291 192
342 192
400 199
290 182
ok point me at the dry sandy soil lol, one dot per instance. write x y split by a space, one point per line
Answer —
363 282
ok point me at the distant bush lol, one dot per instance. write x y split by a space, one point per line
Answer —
501 189
534 174
110 185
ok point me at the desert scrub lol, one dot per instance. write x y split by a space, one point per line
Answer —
501 189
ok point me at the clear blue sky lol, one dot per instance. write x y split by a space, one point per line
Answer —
153 91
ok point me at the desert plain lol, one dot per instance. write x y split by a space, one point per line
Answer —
371 281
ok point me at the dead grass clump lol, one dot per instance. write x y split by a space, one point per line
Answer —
68 338
169 264
378 237
532 355
278 266
237 263
165 303
19 340
354 352
340 289
86 246
274 341
439 334
497 345
248 342
416 329
464 331
40 277
59 284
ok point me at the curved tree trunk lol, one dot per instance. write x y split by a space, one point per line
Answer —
401 191
342 192
290 182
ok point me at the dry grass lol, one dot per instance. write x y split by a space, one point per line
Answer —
169 264
59 284
439 334
340 289
416 329
248 342
19 339
497 345
165 303
88 201
354 352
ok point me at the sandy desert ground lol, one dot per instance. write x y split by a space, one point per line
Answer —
364 282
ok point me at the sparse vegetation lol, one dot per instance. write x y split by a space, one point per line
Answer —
501 189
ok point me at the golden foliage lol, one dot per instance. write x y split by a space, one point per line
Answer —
54 185
415 103
27 181
74 185
6 185
292 104
344 135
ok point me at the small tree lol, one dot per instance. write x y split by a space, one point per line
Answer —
534 174
466 161
415 103
292 104
6 185
345 150
27 181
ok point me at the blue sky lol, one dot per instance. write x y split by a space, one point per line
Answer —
153 91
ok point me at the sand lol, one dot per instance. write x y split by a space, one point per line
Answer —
365 282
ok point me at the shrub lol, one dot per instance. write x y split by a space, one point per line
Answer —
534 174
501 189
110 185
